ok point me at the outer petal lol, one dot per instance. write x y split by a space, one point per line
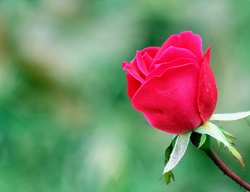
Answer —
169 102
186 39
207 54
133 85
207 90
133 70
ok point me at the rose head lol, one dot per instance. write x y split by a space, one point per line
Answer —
173 85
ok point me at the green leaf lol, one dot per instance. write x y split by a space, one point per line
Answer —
215 132
226 133
167 177
168 152
237 155
202 140
229 116
212 130
179 149
218 143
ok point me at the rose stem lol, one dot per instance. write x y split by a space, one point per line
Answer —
206 147
217 161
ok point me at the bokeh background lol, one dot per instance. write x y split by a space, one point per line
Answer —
66 123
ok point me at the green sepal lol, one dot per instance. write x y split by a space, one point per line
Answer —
237 155
229 116
168 152
226 133
219 144
167 177
217 133
202 140
178 151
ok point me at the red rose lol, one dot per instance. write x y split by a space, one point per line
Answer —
173 85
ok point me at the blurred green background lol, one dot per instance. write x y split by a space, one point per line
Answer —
66 123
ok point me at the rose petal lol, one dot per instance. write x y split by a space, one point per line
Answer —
151 51
133 85
133 70
207 90
160 68
172 53
147 59
207 54
141 63
169 103
186 40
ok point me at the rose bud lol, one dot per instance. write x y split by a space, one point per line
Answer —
173 85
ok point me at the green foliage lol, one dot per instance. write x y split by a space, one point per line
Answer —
168 175
202 140
180 146
214 131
